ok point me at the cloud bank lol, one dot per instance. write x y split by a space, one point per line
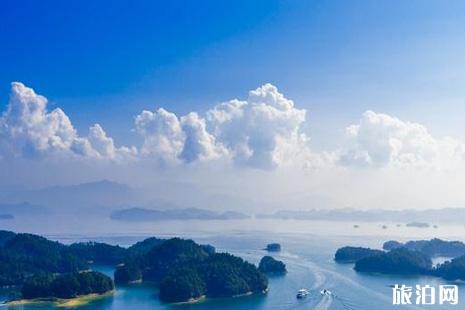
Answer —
28 129
262 132
381 140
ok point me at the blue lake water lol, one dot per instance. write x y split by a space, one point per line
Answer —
307 249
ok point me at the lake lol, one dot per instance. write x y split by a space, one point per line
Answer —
307 250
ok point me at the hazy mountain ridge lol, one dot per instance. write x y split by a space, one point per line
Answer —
449 215
142 214
98 193
106 198
23 209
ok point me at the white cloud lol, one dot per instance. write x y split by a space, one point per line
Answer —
262 132
104 145
198 143
382 140
28 129
162 132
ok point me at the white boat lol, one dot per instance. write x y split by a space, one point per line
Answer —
302 293
326 292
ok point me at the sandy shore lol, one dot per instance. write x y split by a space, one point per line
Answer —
59 302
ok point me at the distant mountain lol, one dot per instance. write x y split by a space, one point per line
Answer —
6 217
450 215
22 209
101 193
141 214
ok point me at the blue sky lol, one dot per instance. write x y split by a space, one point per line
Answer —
391 71
105 63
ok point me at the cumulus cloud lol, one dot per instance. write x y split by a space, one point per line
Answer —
198 143
382 140
262 132
28 129
162 132
104 145
177 139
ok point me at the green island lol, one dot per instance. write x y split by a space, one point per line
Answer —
432 248
410 258
351 254
269 265
397 261
273 247
187 271
50 272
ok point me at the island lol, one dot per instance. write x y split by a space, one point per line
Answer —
269 265
48 271
144 215
273 247
432 248
453 270
445 215
411 258
186 271
66 286
417 225
392 244
398 261
351 254
17 251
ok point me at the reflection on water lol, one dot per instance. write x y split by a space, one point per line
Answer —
308 249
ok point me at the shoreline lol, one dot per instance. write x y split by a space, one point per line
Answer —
61 302
204 298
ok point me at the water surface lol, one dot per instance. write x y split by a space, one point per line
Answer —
308 249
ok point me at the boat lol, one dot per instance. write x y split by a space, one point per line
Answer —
326 292
302 293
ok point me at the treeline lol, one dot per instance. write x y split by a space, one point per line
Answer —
66 286
23 255
411 258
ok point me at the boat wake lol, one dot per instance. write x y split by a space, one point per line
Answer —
321 278
324 303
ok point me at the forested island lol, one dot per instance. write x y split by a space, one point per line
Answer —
350 254
410 258
66 286
183 269
270 265
273 247
432 248
397 261
187 271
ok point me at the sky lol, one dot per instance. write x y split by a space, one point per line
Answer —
340 103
